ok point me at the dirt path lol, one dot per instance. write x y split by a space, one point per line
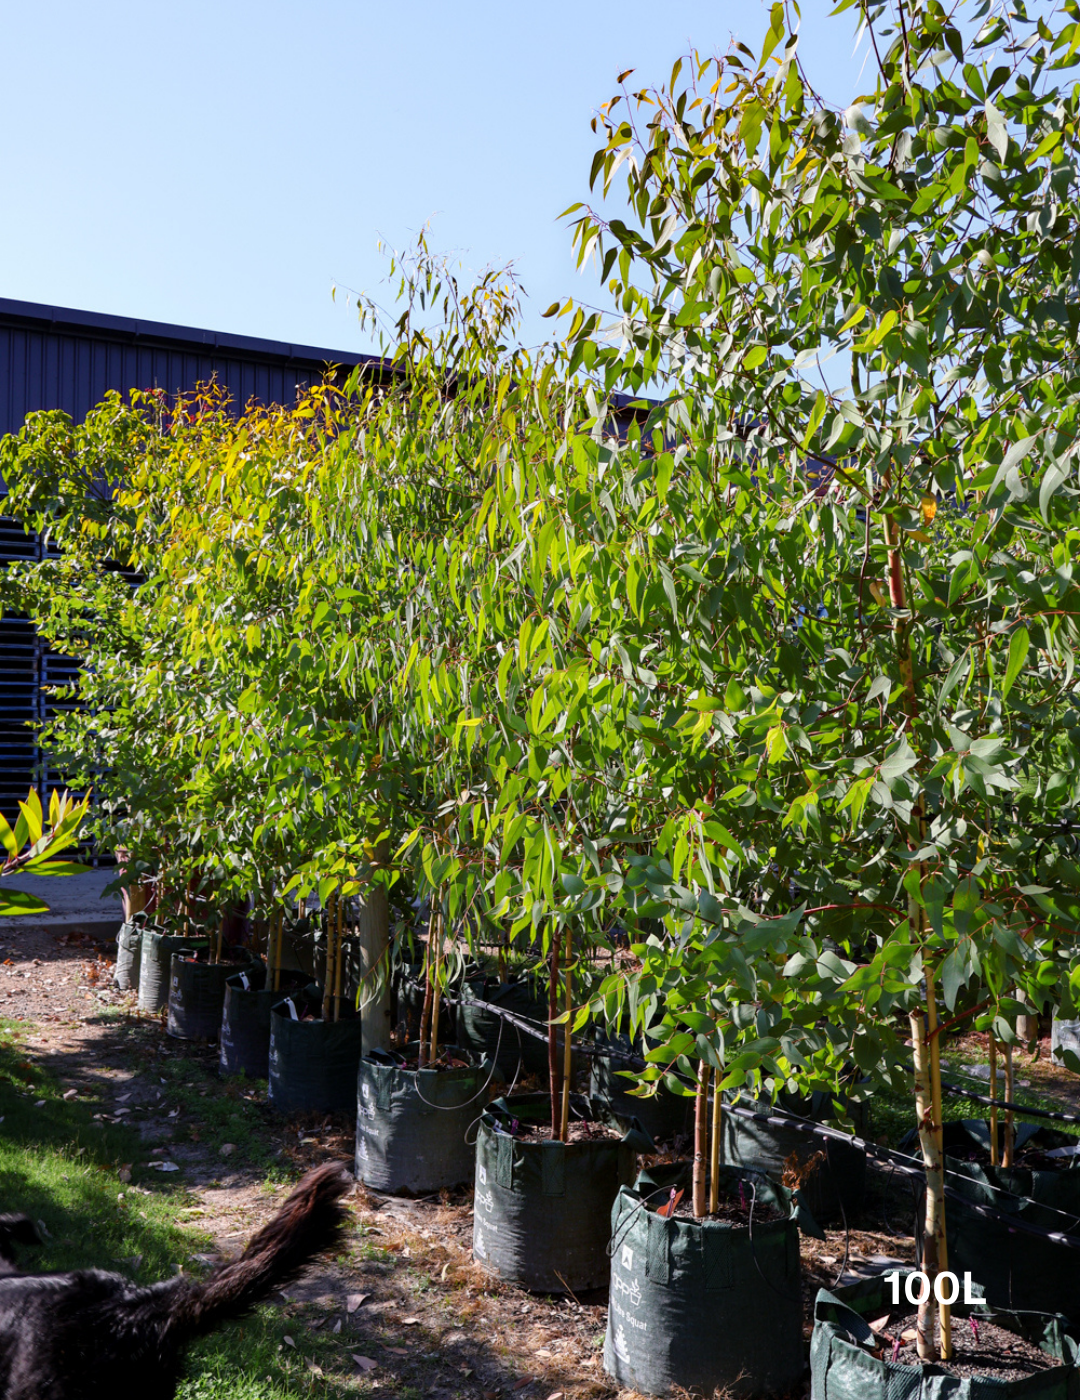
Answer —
413 1316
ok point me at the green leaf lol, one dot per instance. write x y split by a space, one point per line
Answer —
1019 646
19 902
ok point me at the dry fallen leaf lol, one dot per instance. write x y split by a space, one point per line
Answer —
398 1351
353 1301
525 1380
410 1322
909 1335
289 1342
879 1323
556 1395
337 1325
364 1362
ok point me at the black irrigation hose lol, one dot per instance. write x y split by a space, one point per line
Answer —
1004 1103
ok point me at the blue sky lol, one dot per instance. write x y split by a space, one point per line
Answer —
224 165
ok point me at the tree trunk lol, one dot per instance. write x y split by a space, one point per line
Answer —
935 1183
717 1131
993 1111
568 1049
1010 1131
436 998
328 973
701 1138
944 1309
425 1014
373 940
553 1040
339 958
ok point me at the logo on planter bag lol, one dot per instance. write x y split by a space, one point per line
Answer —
482 1173
632 1290
485 1199
478 1243
627 1257
620 1345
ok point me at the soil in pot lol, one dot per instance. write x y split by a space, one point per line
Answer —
197 996
831 1173
542 1209
412 1124
313 1063
712 1304
1007 1354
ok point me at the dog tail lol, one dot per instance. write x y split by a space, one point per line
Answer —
311 1221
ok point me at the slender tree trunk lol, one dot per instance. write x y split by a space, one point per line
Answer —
701 1138
568 1049
944 1309
328 973
935 1183
425 1014
373 942
993 1095
274 937
553 1040
339 959
440 934
1010 1131
717 1132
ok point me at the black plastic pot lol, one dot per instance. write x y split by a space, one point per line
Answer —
834 1172
1015 1270
197 997
703 1304
663 1115
313 1063
843 1364
129 953
411 1124
541 1213
155 965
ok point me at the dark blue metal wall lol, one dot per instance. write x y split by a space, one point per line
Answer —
51 357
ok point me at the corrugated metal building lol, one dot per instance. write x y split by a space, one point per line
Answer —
52 357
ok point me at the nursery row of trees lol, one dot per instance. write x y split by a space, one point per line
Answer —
753 705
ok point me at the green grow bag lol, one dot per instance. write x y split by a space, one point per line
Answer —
412 1124
835 1171
313 1064
1015 1270
155 963
129 953
843 1365
541 1211
703 1304
197 997
245 1023
663 1116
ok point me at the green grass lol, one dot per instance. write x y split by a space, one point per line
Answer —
62 1168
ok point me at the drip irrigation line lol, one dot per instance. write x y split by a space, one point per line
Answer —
1056 1117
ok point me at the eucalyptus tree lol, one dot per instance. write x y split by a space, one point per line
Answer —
862 323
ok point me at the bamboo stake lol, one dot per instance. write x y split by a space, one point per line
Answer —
339 962
993 1095
1010 1131
944 1309
220 939
701 1134
924 1109
437 988
717 1129
553 1043
564 1120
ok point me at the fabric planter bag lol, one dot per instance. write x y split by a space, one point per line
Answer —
129 953
541 1211
245 1023
197 997
1015 1270
408 994
412 1124
704 1304
313 1064
835 1171
843 1365
155 963
663 1116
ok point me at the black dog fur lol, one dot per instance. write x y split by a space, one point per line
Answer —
89 1335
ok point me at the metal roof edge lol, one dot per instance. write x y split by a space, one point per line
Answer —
161 334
